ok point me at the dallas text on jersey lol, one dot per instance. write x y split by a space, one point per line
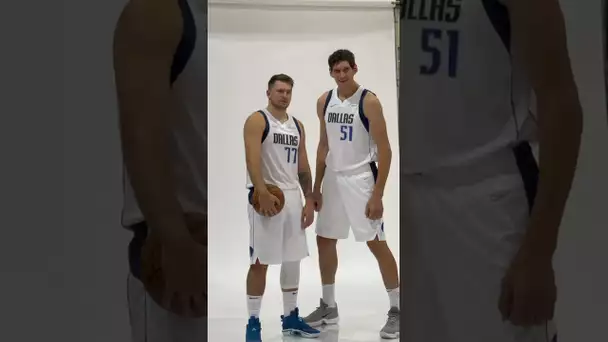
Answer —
285 139
432 10
340 118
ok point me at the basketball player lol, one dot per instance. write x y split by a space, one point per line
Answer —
353 139
482 83
275 149
160 61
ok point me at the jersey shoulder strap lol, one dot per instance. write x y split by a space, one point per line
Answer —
327 99
266 127
297 125
362 117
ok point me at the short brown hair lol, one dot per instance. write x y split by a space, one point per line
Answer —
280 78
341 55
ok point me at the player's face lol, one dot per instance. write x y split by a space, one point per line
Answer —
343 73
280 95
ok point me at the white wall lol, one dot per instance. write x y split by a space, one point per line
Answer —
248 46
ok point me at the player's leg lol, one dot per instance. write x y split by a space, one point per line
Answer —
295 248
256 285
292 323
332 225
150 322
265 248
356 191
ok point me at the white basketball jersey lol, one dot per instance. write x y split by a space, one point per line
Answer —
462 95
189 135
280 152
350 143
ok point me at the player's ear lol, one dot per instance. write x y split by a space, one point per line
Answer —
268 93
355 68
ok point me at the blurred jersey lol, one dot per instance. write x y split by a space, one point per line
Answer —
189 134
462 96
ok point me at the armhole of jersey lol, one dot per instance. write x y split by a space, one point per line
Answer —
498 13
297 126
327 99
364 119
267 127
186 45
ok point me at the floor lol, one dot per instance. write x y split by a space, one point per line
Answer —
361 297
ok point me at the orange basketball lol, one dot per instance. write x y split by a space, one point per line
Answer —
273 189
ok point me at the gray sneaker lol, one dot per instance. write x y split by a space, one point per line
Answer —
391 328
323 315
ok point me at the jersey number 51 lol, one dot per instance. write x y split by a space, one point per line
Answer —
430 39
347 132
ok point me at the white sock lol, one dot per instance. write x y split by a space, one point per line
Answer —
254 304
329 295
290 301
393 297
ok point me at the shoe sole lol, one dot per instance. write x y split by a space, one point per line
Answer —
299 333
388 336
330 321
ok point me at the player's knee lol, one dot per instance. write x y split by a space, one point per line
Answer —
290 275
258 268
325 243
377 246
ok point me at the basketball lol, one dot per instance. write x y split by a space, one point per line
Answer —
276 191
151 259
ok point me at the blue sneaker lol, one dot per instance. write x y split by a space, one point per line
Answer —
295 325
254 330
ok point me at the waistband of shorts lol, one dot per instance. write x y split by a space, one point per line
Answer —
503 162
355 171
283 188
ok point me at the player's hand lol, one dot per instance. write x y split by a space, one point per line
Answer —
528 291
184 266
374 208
269 203
317 200
308 213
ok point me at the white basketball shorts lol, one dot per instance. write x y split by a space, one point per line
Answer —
345 197
462 227
152 323
278 239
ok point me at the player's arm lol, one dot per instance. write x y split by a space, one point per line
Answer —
304 174
145 39
377 128
543 49
323 146
253 133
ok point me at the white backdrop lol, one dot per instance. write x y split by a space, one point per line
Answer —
248 46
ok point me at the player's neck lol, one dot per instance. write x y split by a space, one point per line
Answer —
279 114
348 90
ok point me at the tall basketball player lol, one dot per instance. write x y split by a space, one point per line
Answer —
353 139
483 82
160 59
275 149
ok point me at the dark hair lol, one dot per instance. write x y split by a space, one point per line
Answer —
341 55
280 77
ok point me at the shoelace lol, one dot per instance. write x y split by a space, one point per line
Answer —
392 318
